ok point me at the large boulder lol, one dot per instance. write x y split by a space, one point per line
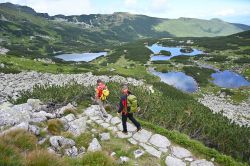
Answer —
151 150
172 161
78 126
115 120
35 104
71 152
202 162
180 152
94 146
14 115
60 142
105 136
142 136
159 141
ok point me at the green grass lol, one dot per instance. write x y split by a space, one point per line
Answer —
18 64
9 155
21 139
43 158
97 158
84 139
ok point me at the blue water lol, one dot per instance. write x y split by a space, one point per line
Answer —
178 80
175 51
87 57
229 79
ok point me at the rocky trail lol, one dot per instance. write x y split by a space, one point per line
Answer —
139 147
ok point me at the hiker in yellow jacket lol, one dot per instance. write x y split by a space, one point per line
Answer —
101 94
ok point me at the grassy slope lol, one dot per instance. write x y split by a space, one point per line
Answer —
186 27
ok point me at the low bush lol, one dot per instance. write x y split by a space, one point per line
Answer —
20 139
55 126
97 158
43 158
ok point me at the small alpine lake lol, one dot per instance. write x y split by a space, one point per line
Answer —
175 51
77 57
229 79
178 80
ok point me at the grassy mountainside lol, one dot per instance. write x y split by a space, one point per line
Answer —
38 34
190 27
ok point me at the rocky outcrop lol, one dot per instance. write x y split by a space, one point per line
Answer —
147 142
240 113
12 84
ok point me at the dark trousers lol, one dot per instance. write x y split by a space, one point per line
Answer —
124 121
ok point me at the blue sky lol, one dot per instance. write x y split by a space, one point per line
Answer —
237 11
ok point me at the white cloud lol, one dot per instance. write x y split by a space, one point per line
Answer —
226 12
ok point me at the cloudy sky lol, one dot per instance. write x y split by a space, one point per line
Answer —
237 11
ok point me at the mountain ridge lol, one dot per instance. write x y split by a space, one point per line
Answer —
153 26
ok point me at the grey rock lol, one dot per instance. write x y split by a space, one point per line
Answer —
172 161
68 118
124 159
142 136
81 150
132 141
42 114
14 115
202 162
77 126
159 141
72 152
105 125
112 154
151 150
138 153
180 152
130 127
92 111
122 135
115 120
105 136
94 146
59 141
113 128
38 119
34 103
34 129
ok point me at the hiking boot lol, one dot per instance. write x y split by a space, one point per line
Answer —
138 129
125 132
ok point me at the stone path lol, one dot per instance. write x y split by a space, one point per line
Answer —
153 143
27 115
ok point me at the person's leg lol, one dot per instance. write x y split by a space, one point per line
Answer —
137 124
124 123
101 108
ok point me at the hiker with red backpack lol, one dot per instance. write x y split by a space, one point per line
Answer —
101 95
128 106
